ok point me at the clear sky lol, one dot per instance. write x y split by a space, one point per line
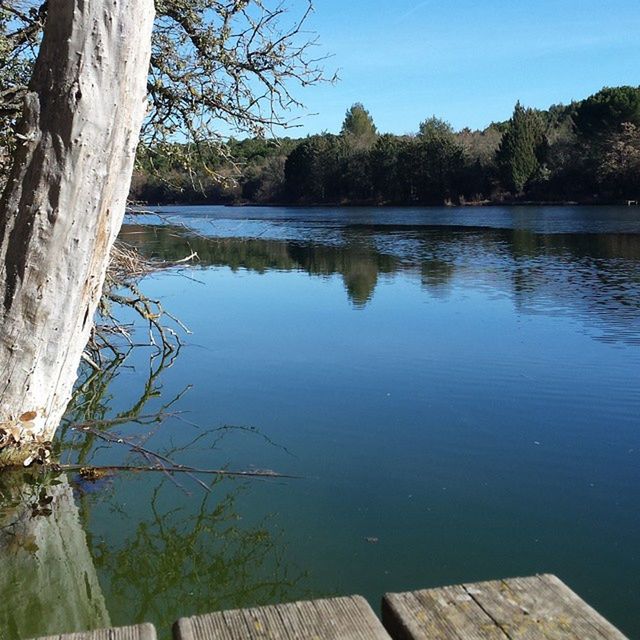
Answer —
467 61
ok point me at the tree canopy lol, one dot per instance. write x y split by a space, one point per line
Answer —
605 112
433 127
359 123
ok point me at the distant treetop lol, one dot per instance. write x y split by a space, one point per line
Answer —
434 127
359 123
605 112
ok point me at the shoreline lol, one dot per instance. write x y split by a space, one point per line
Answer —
391 205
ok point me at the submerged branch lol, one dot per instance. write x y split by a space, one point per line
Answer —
89 472
157 461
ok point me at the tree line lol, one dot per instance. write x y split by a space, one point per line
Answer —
587 151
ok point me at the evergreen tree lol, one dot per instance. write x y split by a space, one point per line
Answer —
604 113
409 170
356 181
439 169
299 171
383 160
600 124
433 127
313 170
521 148
358 124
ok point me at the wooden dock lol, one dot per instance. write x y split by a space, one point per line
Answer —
137 632
536 608
349 618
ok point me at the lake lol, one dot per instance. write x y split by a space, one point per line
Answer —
457 392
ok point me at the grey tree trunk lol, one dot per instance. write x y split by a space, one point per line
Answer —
64 204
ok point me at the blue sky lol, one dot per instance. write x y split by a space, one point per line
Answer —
467 62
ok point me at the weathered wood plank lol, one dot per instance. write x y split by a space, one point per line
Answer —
448 613
138 632
534 608
349 618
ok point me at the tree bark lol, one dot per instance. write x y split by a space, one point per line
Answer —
64 204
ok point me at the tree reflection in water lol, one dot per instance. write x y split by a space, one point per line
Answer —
89 550
593 276
181 561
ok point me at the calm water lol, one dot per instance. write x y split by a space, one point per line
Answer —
458 390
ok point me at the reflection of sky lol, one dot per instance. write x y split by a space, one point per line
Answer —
286 222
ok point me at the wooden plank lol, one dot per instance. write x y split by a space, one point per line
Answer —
448 613
534 608
541 606
349 618
518 607
138 632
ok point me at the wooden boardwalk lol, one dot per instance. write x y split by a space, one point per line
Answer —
137 632
535 608
348 618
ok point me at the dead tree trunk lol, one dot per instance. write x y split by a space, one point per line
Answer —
64 204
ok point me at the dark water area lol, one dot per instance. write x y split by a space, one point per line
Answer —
458 392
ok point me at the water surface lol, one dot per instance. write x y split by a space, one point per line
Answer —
458 390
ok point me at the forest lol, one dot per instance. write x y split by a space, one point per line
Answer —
585 152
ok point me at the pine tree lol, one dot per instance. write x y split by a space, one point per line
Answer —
522 144
358 124
434 127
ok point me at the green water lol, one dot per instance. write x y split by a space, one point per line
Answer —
457 390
